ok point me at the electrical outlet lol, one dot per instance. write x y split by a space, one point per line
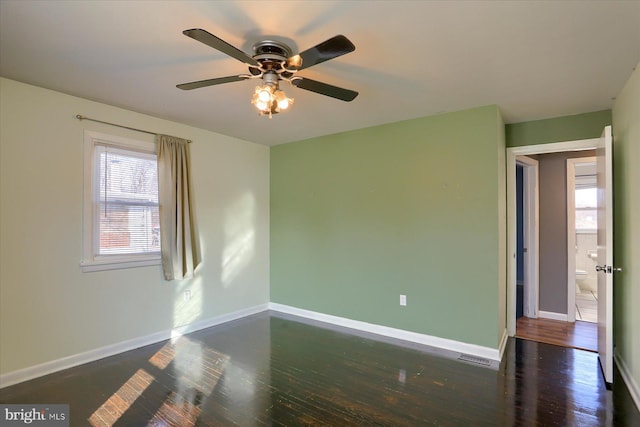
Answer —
187 295
403 300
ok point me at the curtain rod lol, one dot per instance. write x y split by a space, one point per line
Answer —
79 117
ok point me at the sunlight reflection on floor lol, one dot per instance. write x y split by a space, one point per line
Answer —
121 400
197 369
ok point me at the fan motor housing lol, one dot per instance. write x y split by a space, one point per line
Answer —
271 55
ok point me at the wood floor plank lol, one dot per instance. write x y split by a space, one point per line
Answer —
270 370
580 335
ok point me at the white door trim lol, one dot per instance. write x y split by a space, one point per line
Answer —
512 152
531 236
571 240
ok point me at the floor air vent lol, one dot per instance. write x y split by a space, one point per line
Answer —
474 359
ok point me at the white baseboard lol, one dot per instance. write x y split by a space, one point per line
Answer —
553 316
46 368
632 385
437 342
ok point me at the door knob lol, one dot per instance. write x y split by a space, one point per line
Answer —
608 269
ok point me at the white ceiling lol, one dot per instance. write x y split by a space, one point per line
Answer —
534 59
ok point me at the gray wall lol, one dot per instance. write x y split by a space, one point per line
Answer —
553 229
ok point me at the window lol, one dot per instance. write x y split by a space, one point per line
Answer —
121 212
586 210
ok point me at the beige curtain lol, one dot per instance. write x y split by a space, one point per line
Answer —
180 255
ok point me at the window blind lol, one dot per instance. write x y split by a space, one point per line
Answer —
127 219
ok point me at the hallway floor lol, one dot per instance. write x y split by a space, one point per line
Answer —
580 335
587 306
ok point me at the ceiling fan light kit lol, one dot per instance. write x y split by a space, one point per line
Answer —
273 62
268 98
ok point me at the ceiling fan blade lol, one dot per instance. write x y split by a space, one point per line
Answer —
329 49
324 89
210 40
211 82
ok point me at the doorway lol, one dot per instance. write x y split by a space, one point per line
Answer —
512 160
582 244
527 255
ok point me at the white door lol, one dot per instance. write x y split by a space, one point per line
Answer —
605 254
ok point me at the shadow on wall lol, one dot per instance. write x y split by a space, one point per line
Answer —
239 234
237 253
188 301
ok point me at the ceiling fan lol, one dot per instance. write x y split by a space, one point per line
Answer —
272 62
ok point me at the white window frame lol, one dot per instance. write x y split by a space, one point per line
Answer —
89 261
594 208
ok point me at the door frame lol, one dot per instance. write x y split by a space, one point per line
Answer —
530 221
512 152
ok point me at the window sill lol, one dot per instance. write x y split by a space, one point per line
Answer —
117 264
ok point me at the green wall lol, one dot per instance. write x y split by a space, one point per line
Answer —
411 208
559 129
626 228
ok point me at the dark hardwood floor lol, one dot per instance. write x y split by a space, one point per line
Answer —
268 369
580 335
